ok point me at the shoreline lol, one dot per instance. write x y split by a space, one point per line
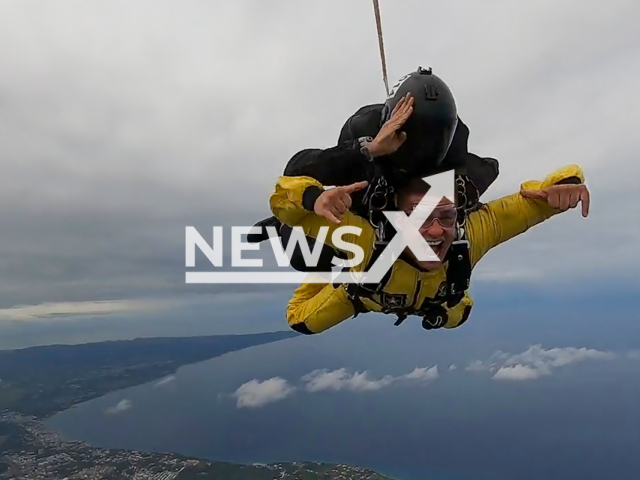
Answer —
36 451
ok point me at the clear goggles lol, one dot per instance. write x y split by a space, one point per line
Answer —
445 215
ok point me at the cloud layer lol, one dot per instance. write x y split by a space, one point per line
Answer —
535 362
341 379
256 393
124 122
69 309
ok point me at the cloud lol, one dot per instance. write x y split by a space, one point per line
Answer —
535 362
122 406
519 372
424 374
115 134
556 357
68 309
453 367
341 379
255 393
165 381
477 366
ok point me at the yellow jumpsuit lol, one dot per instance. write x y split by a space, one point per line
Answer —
321 306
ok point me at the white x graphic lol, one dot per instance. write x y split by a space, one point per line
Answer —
407 228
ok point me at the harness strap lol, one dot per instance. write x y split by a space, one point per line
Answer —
354 297
458 275
458 256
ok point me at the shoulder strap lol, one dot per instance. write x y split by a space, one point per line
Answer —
380 196
458 256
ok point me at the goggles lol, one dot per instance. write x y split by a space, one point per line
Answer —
446 215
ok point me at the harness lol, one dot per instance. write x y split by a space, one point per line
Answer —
379 196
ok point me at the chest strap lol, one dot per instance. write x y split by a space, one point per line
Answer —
458 278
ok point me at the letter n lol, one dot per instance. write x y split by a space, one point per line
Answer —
193 239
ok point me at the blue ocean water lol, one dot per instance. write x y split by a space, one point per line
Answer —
581 421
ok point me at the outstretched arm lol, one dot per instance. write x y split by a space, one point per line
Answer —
316 307
302 202
340 165
502 219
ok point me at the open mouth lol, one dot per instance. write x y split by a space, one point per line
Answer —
436 246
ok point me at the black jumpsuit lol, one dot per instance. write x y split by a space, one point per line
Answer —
344 164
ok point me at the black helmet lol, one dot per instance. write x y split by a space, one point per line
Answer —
430 127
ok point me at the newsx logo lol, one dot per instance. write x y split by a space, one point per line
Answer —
407 236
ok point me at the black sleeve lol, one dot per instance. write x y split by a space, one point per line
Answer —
343 164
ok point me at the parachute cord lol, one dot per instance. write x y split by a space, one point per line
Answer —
376 9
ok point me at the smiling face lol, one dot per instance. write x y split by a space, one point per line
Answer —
439 228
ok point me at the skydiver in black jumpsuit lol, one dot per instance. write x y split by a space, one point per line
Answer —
348 162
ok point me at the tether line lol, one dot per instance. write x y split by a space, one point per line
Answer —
376 9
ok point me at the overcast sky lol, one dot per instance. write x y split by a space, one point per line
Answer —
123 122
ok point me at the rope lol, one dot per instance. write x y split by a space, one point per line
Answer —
376 9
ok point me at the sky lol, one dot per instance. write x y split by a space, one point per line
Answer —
122 123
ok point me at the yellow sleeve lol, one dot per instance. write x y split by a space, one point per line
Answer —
286 200
287 206
500 220
317 307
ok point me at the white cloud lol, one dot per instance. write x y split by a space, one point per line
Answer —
535 362
341 379
319 380
67 309
478 366
255 393
424 374
165 381
122 406
453 367
519 372
556 357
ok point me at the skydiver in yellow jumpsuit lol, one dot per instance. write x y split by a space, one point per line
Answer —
315 307
413 287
